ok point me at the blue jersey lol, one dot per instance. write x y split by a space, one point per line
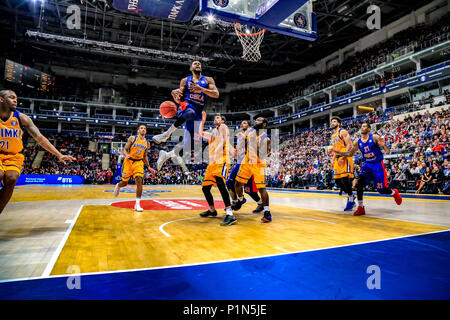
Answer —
370 150
195 100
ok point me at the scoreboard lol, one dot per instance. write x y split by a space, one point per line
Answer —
26 76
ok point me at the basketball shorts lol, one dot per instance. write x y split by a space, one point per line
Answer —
376 172
132 168
11 162
249 187
257 171
213 171
345 169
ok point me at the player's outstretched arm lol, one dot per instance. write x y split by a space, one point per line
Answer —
350 153
381 143
211 91
202 133
347 139
28 124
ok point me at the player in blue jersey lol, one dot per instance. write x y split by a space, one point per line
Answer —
250 188
373 168
191 96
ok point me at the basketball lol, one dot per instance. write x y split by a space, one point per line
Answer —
168 109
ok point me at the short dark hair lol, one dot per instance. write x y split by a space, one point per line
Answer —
221 116
338 119
3 93
265 122
142 124
366 122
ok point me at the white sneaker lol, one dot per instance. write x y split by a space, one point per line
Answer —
163 137
179 160
162 158
138 208
116 190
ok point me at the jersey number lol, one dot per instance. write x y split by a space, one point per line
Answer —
2 144
366 149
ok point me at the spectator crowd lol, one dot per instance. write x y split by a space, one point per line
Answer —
418 160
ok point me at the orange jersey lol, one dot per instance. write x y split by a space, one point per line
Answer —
253 147
213 145
138 148
337 142
11 134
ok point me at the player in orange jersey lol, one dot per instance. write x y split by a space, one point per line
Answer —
342 166
218 166
136 155
12 123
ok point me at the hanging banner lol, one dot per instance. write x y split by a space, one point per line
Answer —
177 10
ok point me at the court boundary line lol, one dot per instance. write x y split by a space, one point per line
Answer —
62 243
161 227
220 261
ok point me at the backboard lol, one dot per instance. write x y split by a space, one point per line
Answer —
294 18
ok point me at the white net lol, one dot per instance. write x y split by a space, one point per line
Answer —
251 39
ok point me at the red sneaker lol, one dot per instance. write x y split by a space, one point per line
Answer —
397 197
360 211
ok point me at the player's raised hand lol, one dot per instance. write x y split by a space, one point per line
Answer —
63 158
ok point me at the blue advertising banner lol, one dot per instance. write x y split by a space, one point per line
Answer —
177 10
48 179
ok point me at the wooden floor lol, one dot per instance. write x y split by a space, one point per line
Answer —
47 229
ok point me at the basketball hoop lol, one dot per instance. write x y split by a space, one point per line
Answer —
251 38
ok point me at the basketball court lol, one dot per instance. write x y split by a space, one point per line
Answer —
78 241
51 232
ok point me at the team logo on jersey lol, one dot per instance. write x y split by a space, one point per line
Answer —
14 123
145 193
300 20
221 3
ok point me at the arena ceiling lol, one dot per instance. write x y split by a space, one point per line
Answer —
340 22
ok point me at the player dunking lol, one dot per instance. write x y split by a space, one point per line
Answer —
192 97
250 188
342 166
373 168
12 123
136 155
218 165
254 165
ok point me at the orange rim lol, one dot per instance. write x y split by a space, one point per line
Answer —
247 34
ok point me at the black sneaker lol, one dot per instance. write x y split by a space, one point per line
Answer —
238 205
259 209
208 213
267 217
229 220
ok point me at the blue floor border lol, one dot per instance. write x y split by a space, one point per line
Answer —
366 194
415 267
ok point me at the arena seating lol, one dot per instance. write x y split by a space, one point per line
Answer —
417 140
